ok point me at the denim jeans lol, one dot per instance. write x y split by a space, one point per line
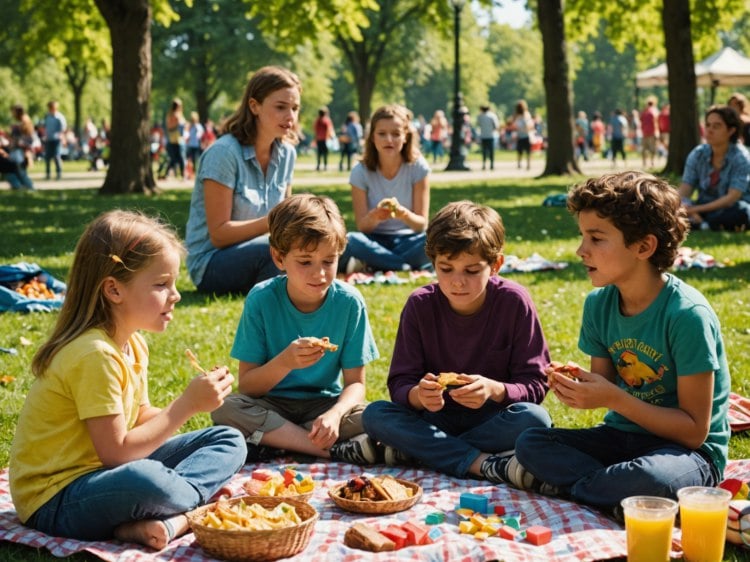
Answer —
238 268
450 440
600 466
52 150
383 252
180 475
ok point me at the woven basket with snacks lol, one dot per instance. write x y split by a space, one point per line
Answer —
253 528
376 494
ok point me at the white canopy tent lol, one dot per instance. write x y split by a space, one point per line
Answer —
725 68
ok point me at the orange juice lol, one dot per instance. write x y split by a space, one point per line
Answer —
649 540
703 516
703 533
648 527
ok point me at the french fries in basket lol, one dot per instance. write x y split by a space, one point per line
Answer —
250 517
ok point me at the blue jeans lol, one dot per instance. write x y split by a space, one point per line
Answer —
238 268
383 252
600 466
52 152
180 475
450 440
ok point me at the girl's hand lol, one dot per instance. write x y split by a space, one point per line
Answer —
206 392
591 390
301 353
430 393
474 394
325 430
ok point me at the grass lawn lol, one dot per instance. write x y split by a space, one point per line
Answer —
43 227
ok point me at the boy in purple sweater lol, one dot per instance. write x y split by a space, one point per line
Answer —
470 322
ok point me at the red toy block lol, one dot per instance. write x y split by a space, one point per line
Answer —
499 510
538 535
261 474
507 532
288 477
396 534
417 533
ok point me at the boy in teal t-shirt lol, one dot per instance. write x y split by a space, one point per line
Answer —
658 362
291 396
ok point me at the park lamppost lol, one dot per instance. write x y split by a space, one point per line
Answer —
456 161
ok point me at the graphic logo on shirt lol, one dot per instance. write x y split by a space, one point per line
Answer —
636 373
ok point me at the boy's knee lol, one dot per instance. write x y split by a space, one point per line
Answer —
373 414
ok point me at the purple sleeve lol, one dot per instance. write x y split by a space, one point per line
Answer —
408 362
527 382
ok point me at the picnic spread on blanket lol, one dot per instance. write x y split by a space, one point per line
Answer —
444 520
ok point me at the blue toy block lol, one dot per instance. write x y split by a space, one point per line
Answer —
435 533
475 502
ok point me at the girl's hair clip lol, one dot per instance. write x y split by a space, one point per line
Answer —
117 259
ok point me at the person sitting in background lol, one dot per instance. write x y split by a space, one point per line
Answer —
391 234
739 103
719 170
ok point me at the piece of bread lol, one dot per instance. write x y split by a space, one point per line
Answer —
391 488
390 203
325 343
366 537
569 370
450 379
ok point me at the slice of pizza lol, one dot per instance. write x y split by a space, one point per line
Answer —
324 342
450 379
569 369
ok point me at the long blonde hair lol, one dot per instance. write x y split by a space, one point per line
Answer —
116 244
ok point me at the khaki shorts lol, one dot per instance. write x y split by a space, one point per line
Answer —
256 416
649 145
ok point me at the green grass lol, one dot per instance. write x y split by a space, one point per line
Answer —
43 227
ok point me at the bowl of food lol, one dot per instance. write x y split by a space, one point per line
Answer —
375 494
253 528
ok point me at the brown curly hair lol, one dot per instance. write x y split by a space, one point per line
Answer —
638 204
465 227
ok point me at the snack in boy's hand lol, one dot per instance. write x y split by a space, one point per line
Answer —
451 379
324 342
390 203
569 370
284 483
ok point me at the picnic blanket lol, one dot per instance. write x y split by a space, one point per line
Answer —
578 533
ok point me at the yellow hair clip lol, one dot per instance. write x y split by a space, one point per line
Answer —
117 259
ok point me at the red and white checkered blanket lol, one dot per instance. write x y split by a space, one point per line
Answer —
578 533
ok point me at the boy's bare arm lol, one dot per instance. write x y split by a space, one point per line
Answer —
256 380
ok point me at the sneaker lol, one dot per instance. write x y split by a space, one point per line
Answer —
357 450
518 476
394 457
355 266
261 453
493 467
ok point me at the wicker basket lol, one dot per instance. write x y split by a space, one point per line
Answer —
255 545
380 506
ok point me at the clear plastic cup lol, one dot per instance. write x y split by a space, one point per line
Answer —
648 527
703 518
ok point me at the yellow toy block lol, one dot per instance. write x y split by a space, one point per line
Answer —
481 535
467 528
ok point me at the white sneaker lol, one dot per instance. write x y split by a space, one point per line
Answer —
355 266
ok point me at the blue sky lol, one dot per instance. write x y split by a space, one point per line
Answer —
512 12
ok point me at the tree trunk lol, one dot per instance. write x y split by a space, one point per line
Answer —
560 152
129 23
684 134
77 78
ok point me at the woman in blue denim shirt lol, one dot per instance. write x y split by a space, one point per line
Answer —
720 171
242 176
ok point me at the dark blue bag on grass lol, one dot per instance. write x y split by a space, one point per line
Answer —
16 275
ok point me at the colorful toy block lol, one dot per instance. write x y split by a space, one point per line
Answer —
396 534
417 533
538 535
507 532
475 502
434 518
498 510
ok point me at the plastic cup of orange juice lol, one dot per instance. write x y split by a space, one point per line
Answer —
648 527
703 518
